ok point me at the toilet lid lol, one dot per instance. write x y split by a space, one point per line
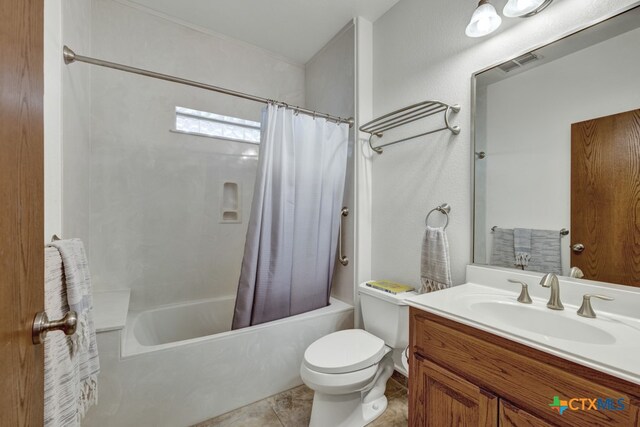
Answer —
344 351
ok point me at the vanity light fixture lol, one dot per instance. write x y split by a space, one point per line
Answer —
485 20
524 8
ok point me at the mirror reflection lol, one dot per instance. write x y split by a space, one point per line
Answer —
557 157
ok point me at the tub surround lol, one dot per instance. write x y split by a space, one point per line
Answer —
507 372
110 310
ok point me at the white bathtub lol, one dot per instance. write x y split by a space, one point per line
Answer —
178 365
166 326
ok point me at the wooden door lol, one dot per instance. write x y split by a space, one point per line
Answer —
21 210
605 197
512 416
439 398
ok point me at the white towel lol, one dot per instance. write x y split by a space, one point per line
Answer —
71 363
435 269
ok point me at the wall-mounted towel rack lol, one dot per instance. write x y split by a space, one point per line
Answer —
407 115
443 209
563 231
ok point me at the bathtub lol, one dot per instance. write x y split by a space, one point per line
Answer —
180 364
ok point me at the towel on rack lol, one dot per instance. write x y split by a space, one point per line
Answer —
545 251
435 271
71 363
502 252
522 246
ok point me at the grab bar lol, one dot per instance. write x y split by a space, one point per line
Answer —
344 260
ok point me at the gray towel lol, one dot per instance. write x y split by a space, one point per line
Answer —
522 246
503 253
435 270
82 351
545 251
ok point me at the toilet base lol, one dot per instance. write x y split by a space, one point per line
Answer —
355 409
346 410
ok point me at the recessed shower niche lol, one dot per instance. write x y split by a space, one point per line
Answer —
230 203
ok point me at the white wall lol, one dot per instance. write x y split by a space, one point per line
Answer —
67 120
76 123
329 83
421 52
528 179
52 104
155 194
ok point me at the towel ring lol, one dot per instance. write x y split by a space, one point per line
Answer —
443 209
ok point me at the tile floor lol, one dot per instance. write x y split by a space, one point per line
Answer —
292 408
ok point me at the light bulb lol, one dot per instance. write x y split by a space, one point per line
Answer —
517 8
485 20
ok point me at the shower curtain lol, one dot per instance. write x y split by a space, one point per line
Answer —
292 237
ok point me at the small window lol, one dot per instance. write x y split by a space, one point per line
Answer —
214 125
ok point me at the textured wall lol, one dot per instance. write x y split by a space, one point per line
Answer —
329 83
76 123
421 52
155 205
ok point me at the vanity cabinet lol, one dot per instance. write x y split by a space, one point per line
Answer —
462 376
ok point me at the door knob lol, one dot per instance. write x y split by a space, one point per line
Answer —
577 248
41 325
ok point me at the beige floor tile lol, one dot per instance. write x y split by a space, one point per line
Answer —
293 407
394 388
259 414
396 414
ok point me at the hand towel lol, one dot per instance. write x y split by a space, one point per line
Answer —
435 268
61 370
545 251
502 252
84 349
522 246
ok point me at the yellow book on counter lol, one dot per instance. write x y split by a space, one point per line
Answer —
388 286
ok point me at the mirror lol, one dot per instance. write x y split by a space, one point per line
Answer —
557 156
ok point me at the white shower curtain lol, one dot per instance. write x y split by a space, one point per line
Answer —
292 237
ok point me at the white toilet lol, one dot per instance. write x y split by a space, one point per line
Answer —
348 370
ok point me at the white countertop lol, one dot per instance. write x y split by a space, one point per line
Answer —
612 347
110 309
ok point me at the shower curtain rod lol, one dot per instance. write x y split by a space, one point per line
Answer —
70 56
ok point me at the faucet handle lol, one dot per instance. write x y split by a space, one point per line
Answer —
586 310
524 297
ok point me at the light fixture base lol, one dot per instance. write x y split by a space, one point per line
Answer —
540 8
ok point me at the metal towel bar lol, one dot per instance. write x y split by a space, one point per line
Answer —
407 115
563 231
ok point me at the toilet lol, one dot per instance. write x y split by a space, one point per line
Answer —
348 370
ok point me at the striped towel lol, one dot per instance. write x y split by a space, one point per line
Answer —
502 252
522 246
71 363
435 268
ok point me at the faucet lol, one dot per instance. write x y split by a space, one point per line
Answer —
575 272
550 280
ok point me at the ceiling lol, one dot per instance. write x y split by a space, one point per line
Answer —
295 29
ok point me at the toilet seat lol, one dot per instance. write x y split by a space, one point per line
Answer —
344 351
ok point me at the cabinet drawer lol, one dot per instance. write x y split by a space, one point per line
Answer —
519 377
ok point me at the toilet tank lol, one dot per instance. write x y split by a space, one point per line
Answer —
385 315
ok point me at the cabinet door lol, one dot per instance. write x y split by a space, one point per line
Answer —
439 398
512 416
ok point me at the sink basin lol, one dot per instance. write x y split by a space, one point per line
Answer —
543 321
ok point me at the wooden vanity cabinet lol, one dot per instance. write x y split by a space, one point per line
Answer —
462 376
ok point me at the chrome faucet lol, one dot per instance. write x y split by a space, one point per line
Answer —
550 280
